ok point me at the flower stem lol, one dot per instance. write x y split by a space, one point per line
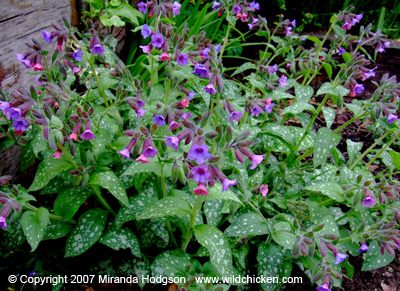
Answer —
52 216
381 151
190 228
356 117
167 94
47 69
97 192
368 150
225 40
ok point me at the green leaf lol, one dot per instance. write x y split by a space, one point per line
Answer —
330 115
103 137
172 264
322 215
68 201
325 142
212 211
136 204
34 224
374 259
330 189
111 182
303 93
14 235
27 157
86 233
328 88
39 143
244 67
127 11
282 234
256 83
328 69
247 224
137 167
121 239
218 246
270 265
56 229
217 194
48 169
314 39
346 57
395 158
114 20
167 206
297 108
339 30
353 149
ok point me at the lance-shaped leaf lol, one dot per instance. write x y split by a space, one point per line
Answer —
218 246
330 115
68 201
111 182
34 224
121 239
270 264
330 189
325 142
247 224
47 170
167 206
136 204
136 168
87 232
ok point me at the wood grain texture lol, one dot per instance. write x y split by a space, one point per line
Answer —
20 20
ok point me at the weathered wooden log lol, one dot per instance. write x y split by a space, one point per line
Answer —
20 21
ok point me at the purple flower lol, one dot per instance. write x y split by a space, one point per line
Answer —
273 69
173 125
97 49
363 248
366 73
3 222
146 32
255 160
88 134
217 48
172 141
47 36
182 59
142 7
341 51
200 174
200 70
210 89
191 95
226 183
149 149
77 55
216 5
146 48
293 23
140 103
282 81
186 115
288 30
199 153
25 62
235 116
323 287
381 46
20 125
269 108
391 118
176 9
4 106
256 111
13 113
347 25
236 9
369 202
157 40
204 53
251 25
160 120
254 5
340 258
140 112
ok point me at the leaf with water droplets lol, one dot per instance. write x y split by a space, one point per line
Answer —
247 224
86 233
34 224
121 239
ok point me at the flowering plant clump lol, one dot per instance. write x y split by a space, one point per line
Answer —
193 170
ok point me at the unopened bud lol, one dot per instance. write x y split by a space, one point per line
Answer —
85 180
77 181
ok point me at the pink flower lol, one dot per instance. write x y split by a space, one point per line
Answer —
173 125
164 57
264 190
142 159
201 190
3 221
57 154
184 102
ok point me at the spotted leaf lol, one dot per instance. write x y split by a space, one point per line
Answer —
121 239
247 224
68 201
167 206
34 224
325 142
87 232
270 265
111 182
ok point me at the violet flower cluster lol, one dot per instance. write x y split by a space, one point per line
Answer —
242 10
15 115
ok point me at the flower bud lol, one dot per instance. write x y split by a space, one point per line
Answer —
77 181
296 248
322 248
239 155
307 240
330 236
85 180
303 249
228 134
211 135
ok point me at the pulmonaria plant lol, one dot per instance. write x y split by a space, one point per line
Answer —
191 157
